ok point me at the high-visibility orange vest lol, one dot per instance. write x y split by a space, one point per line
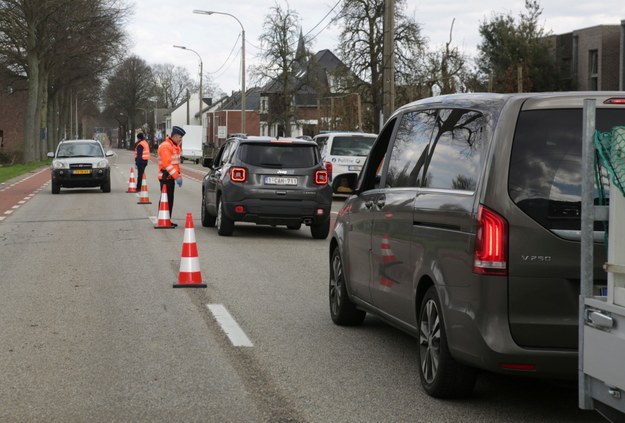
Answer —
169 159
146 150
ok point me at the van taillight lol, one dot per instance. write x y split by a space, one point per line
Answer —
615 100
238 174
321 177
491 239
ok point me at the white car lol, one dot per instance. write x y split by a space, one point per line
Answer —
343 154
80 163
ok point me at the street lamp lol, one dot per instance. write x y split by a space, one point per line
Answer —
201 75
211 12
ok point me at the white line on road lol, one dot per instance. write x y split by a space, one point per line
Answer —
229 326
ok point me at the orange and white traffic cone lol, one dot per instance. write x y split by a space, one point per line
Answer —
143 195
190 275
132 185
164 221
388 258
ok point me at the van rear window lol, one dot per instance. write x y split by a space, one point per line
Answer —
545 180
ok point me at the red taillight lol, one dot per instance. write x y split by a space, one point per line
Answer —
239 209
614 100
321 177
238 174
522 367
328 167
490 244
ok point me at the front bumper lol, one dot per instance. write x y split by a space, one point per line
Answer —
70 178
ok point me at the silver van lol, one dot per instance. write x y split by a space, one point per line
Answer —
464 231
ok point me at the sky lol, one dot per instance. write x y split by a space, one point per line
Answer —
155 26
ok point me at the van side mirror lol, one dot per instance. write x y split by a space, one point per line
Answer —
207 162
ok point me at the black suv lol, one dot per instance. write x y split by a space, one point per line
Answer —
267 181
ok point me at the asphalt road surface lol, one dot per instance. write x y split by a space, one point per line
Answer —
93 330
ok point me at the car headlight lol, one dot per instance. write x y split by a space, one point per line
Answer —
102 164
58 164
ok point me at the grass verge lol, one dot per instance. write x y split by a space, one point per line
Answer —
12 171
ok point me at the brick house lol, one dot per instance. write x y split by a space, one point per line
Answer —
320 101
223 118
13 97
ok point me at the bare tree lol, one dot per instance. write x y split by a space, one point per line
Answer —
361 43
130 86
171 84
38 39
286 66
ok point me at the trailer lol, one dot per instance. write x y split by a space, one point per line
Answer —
192 144
602 317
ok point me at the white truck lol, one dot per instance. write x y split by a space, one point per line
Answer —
192 144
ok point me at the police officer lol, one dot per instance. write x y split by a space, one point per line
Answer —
142 156
169 165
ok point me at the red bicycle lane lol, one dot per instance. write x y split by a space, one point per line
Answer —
17 191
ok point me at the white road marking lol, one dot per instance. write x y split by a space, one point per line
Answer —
229 326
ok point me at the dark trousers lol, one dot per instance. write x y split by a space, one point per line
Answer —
140 170
171 185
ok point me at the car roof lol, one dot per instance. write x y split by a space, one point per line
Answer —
274 140
367 134
77 141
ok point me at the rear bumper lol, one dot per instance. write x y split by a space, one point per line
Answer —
479 335
278 212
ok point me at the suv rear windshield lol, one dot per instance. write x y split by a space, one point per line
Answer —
545 178
351 146
279 155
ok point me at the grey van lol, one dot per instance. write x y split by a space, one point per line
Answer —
464 231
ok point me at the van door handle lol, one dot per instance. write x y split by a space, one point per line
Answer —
599 320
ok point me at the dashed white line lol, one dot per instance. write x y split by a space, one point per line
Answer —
230 327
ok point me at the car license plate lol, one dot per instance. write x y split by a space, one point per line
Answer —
280 180
82 172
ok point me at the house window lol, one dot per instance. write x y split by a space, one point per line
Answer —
263 105
593 70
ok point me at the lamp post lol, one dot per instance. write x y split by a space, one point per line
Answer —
201 76
243 109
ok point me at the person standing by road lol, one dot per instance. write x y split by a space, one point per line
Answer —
169 165
142 156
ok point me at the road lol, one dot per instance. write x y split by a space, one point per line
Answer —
93 330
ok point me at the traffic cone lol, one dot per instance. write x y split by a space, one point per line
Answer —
190 275
132 185
388 258
143 195
164 221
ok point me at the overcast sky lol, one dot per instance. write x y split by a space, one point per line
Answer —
157 25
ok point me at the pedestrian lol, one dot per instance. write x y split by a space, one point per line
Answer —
169 165
142 156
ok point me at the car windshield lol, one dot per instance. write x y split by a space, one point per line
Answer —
278 155
351 146
82 149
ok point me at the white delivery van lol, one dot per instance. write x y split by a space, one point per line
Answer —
192 144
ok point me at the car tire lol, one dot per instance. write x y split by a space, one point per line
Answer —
208 221
320 230
56 188
106 187
225 225
294 226
342 310
441 375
